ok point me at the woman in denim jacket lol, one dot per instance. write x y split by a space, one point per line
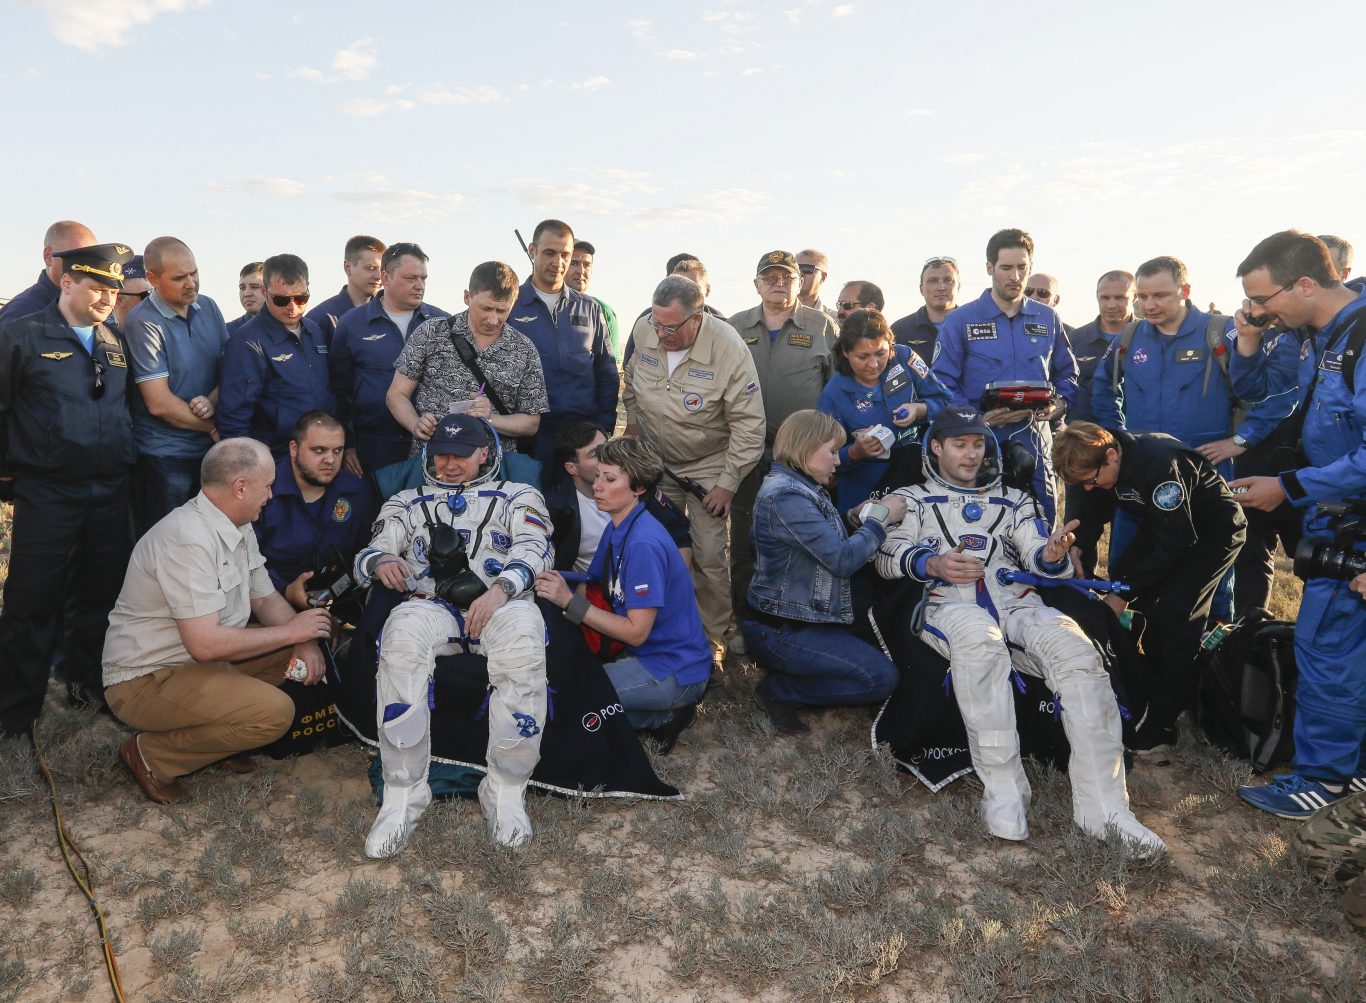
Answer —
800 606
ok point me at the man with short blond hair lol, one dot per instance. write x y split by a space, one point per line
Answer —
939 287
815 269
363 266
60 236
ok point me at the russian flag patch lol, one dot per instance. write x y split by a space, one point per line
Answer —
533 520
642 590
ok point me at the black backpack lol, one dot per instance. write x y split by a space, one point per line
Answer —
1247 690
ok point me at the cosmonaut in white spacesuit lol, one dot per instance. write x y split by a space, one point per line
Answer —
468 547
962 528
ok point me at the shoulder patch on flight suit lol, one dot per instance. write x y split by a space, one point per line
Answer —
751 388
117 359
978 332
799 340
918 364
1169 495
1036 328
59 356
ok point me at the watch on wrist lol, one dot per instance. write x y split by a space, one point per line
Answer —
875 511
1239 441
508 588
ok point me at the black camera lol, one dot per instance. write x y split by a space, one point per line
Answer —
1340 556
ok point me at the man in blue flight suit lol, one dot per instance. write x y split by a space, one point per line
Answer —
362 264
1289 280
364 348
319 514
66 448
275 366
1004 335
60 236
570 334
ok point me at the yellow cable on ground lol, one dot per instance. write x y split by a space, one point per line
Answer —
69 850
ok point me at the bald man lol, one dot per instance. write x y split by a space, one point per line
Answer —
61 236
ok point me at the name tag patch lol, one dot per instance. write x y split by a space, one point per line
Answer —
647 359
897 382
799 340
1191 355
1331 362
977 332
701 374
116 359
1036 329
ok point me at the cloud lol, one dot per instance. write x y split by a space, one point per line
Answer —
678 54
843 10
641 31
97 24
715 205
369 107
353 62
257 184
963 158
432 95
592 84
440 95
575 198
383 196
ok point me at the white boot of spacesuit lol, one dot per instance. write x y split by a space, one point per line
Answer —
979 666
514 642
416 632
1068 662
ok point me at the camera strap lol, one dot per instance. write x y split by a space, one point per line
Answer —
466 353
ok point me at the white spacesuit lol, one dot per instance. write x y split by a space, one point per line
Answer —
505 533
985 627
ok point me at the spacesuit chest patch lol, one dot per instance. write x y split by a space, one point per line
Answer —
500 542
1168 496
973 541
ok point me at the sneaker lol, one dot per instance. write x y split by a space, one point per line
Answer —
1289 796
1357 785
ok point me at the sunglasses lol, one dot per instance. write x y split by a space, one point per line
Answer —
135 296
97 391
298 298
807 269
1044 292
848 304
939 260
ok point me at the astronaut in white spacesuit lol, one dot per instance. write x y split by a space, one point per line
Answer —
962 528
468 547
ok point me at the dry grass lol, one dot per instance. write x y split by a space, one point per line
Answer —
804 868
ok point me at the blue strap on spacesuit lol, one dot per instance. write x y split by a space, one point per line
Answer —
1005 576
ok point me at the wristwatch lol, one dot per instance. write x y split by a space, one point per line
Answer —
1239 441
506 586
876 511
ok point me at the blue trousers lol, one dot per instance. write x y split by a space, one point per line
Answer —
648 700
1330 697
819 665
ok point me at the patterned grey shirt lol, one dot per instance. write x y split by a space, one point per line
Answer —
511 365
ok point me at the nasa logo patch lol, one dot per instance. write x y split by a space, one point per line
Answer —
1139 357
1168 496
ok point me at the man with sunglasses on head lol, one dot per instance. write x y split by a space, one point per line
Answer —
66 447
692 392
792 347
175 341
275 368
815 269
939 287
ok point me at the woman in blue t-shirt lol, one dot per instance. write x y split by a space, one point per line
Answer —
878 382
654 606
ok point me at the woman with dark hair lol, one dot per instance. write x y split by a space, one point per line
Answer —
667 660
878 383
800 603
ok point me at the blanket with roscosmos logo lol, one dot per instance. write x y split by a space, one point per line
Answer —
588 747
920 720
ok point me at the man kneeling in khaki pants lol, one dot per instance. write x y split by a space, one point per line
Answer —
180 664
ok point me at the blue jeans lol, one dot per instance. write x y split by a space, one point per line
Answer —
162 484
819 665
649 702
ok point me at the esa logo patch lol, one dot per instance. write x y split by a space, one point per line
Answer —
1038 330
1169 495
977 332
692 402
973 541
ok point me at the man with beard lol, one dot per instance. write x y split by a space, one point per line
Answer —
319 514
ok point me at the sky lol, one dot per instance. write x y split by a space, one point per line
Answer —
883 133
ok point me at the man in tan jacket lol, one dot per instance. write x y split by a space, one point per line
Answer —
692 391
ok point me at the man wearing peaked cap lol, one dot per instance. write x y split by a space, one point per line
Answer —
59 237
66 447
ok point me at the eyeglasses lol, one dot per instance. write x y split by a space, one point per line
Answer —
781 279
135 296
1043 291
671 329
1264 300
1092 482
97 391
298 298
807 269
